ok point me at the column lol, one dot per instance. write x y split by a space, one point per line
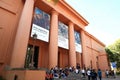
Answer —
72 52
22 36
83 48
53 43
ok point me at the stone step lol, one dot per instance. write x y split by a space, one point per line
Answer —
72 76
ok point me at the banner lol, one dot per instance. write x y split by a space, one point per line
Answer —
77 42
41 25
113 64
62 35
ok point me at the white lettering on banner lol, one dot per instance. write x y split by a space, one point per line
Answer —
42 34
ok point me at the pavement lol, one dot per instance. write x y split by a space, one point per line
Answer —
74 76
112 78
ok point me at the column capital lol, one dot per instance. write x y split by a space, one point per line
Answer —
71 23
54 12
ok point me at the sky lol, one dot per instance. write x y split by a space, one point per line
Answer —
103 17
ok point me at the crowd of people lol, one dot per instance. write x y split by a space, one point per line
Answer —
110 73
58 73
90 74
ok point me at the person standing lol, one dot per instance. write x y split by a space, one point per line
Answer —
99 74
106 73
83 72
88 74
95 74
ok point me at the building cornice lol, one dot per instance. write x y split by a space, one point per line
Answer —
80 21
74 12
94 38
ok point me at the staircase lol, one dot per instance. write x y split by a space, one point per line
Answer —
72 76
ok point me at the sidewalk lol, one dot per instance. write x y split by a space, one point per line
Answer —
111 78
74 76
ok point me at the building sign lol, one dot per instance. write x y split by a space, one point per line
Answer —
78 42
41 25
62 35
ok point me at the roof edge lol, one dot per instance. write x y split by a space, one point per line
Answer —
74 11
93 37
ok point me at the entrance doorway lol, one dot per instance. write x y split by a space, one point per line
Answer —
28 59
36 52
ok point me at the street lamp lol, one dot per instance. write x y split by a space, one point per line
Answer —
34 36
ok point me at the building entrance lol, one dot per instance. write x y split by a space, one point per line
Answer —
30 51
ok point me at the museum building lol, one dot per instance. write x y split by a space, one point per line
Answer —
45 34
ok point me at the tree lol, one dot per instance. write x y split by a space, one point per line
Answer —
113 52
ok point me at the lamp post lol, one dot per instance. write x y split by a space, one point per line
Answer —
32 60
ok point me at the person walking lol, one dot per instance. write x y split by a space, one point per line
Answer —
99 74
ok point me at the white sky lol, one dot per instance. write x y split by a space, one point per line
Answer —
103 17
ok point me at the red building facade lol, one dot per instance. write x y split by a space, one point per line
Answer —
61 36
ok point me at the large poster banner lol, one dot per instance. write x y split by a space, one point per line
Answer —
78 42
62 35
41 25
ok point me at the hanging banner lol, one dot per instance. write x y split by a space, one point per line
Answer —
62 35
113 64
41 25
78 42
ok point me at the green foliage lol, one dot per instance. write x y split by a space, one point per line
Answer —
115 47
110 55
114 52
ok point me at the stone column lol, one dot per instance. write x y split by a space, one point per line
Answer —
72 52
83 43
53 42
22 36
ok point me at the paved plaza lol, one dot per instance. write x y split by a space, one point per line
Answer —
111 78
74 76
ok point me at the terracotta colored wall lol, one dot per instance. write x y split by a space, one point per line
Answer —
35 75
103 60
89 57
63 58
95 49
11 75
78 58
9 16
43 56
25 75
